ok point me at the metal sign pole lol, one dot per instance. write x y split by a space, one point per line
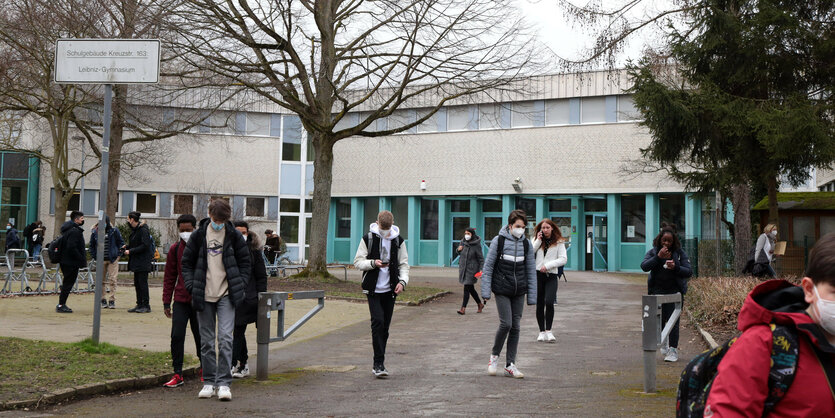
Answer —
105 153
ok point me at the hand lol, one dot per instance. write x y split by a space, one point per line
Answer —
168 313
378 263
460 247
664 252
539 235
543 269
398 289
127 252
670 264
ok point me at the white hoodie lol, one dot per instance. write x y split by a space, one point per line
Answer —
361 262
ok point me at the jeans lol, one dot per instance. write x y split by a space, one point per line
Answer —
111 272
36 251
510 314
182 314
546 295
217 364
469 289
666 312
70 276
140 285
381 307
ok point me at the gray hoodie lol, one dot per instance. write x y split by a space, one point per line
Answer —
512 247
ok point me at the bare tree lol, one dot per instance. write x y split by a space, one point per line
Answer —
324 59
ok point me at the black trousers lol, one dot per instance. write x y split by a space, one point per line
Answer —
140 285
182 314
381 307
546 295
239 352
469 289
70 276
666 312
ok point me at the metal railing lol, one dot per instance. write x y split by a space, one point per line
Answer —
653 334
277 301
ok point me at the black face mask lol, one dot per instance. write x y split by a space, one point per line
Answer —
81 224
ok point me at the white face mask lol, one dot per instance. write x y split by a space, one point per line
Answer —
826 312
467 237
774 234
518 232
185 236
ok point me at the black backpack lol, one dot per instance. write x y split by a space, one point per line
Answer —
55 249
697 377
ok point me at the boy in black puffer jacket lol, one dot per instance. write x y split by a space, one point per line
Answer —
73 257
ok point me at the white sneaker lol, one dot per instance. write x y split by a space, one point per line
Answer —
550 337
512 371
224 394
493 365
665 349
672 355
207 392
541 337
241 373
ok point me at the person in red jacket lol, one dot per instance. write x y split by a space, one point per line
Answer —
741 384
183 314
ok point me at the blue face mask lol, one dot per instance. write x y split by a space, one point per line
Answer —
217 227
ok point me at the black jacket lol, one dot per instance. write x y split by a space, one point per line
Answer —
141 248
663 281
73 253
236 261
247 312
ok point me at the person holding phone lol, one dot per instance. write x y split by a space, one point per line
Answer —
550 256
669 269
470 262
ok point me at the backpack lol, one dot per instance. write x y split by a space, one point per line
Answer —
55 249
697 377
500 242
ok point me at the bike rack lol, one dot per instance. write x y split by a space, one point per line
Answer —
276 301
47 277
653 335
13 276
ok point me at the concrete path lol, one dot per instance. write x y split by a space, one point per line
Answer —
438 361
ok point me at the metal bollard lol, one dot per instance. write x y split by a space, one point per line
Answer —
276 301
653 336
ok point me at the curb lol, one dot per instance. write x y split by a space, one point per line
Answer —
418 303
92 389
705 335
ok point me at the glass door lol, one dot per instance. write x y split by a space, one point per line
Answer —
459 224
599 243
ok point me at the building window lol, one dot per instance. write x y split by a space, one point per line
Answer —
627 110
803 230
290 205
490 116
183 204
564 224
596 205
593 110
258 124
146 203
557 112
372 208
432 124
460 206
462 118
491 205
633 219
15 166
289 229
308 206
559 205
400 210
256 207
429 219
401 118
228 199
307 223
291 139
672 211
343 218
526 114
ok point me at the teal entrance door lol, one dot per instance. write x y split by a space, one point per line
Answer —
599 243
458 225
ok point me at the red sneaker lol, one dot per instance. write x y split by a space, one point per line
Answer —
200 373
175 381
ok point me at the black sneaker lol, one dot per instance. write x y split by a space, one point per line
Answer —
134 309
143 309
380 371
111 304
104 303
63 309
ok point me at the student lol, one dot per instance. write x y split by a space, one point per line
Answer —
140 249
470 262
112 247
550 256
764 251
384 262
181 313
73 257
247 312
216 266
12 241
741 386
669 269
37 240
509 272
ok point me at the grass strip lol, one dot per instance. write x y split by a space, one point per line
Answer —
33 368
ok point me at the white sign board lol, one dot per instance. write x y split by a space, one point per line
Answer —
107 61
630 231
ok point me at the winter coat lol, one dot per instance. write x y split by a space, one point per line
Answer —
741 384
247 312
552 259
663 281
470 260
509 278
113 244
763 251
12 239
73 253
141 247
236 262
370 250
172 281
